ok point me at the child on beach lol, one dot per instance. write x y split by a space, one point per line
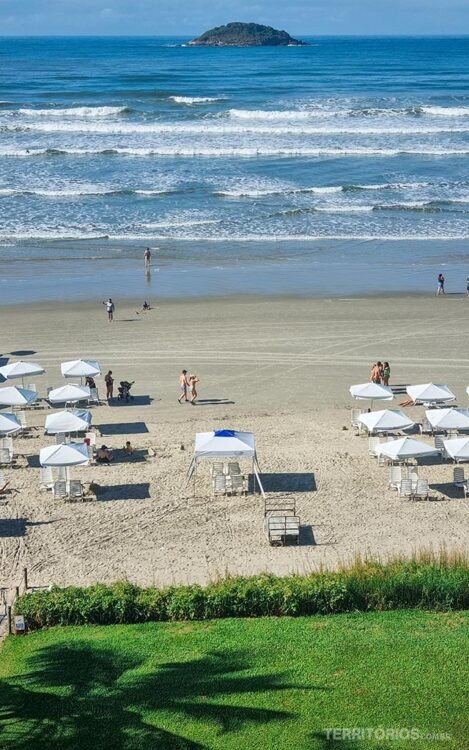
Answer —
110 309
386 373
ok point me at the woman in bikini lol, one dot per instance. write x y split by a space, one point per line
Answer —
193 379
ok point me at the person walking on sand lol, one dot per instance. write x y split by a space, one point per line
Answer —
193 380
109 380
183 383
110 309
386 373
441 285
147 256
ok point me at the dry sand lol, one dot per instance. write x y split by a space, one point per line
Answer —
280 368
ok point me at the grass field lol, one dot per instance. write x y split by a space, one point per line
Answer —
270 684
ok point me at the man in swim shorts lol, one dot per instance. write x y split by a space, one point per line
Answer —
183 383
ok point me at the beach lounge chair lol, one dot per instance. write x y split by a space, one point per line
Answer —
46 477
422 490
459 479
395 477
425 427
373 443
235 484
405 488
7 442
76 488
60 489
31 387
6 457
280 506
218 467
414 476
94 397
439 445
354 414
233 468
219 484
282 529
62 474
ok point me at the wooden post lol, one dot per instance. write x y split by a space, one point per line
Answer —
9 620
17 590
25 578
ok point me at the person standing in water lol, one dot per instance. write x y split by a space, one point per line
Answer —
441 285
147 256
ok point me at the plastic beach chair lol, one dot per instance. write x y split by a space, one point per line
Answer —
60 489
405 488
395 477
46 477
422 491
373 443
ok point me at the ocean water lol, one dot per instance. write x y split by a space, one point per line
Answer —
338 168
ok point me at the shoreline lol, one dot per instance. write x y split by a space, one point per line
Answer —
131 301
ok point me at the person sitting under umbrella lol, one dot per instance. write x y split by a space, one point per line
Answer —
103 455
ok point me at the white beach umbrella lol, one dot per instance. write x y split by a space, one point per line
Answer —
69 394
430 393
68 421
371 392
448 419
405 448
8 424
386 420
66 454
457 448
21 370
80 368
14 396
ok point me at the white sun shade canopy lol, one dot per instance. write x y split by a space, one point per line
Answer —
386 420
371 392
8 424
68 421
21 370
14 396
448 419
224 444
404 448
67 454
69 393
430 393
80 368
457 448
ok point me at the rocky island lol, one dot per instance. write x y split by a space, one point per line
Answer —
246 35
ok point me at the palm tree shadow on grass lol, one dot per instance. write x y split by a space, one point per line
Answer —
77 698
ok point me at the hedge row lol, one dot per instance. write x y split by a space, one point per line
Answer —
430 585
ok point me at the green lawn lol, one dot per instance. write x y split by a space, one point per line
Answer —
260 684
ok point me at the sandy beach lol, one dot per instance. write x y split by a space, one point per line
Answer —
278 367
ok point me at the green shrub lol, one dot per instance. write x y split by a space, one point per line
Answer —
430 583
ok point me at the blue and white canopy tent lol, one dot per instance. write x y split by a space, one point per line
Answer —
221 444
